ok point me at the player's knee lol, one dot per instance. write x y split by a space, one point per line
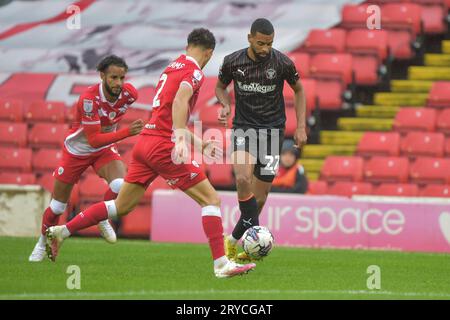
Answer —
243 180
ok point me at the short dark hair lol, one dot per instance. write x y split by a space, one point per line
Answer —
263 26
111 60
202 37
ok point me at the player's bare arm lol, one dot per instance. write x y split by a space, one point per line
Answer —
224 99
300 110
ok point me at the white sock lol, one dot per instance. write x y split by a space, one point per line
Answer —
232 239
65 232
220 262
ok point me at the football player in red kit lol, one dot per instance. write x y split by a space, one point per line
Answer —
91 142
162 149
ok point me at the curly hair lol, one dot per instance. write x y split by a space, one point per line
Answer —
202 37
111 60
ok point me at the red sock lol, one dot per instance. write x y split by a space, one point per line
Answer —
109 195
49 219
89 217
212 226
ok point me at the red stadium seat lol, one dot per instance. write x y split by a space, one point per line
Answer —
435 190
337 168
379 144
397 190
416 144
92 188
221 175
368 42
17 178
291 122
301 61
365 69
137 223
11 110
46 181
13 134
402 16
430 170
329 94
386 169
447 147
325 41
317 187
15 159
207 95
46 111
369 49
332 66
133 114
348 189
415 119
47 135
46 159
404 22
433 17
354 16
309 87
443 122
439 96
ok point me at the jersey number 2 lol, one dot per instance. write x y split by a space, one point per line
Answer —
163 79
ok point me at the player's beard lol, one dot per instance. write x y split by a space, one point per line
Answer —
111 92
258 57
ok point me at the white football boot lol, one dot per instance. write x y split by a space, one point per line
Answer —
232 269
54 241
38 253
107 231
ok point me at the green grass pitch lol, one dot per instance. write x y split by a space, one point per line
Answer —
137 269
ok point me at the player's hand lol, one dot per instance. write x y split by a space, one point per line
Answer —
136 127
300 137
224 114
212 149
180 152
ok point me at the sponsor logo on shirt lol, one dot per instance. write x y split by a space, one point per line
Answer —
88 105
256 87
198 75
271 74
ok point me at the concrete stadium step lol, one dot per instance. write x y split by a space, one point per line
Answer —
312 165
365 124
312 176
400 99
338 137
446 46
321 151
437 60
412 86
428 73
366 111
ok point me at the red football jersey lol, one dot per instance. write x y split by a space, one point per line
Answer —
185 69
93 109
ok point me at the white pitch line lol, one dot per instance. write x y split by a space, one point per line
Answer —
226 292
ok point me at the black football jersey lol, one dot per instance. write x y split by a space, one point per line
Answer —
258 88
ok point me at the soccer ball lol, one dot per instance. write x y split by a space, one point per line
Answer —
257 242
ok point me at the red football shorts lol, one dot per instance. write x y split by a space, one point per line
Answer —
71 167
152 157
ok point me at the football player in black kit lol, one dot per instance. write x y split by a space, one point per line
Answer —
258 73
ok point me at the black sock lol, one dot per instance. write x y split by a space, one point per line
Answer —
249 217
